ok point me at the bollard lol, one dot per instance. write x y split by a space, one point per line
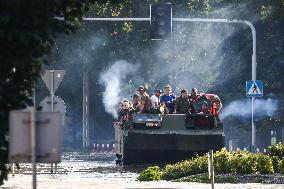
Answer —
264 150
13 169
238 149
55 167
211 167
104 148
98 147
51 168
113 148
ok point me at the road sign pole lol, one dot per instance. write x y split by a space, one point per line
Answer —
33 145
253 130
85 112
52 89
253 74
52 101
84 116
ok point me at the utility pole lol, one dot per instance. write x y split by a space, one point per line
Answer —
86 112
33 144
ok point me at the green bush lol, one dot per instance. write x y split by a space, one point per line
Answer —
150 174
264 164
222 161
276 150
281 165
199 165
276 163
193 166
240 162
243 162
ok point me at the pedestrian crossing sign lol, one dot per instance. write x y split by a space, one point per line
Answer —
254 88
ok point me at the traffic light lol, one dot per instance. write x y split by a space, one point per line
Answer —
161 21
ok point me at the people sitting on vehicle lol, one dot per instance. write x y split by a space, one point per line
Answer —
125 114
216 107
192 98
182 104
194 95
155 98
216 103
145 101
167 100
135 102
126 111
203 104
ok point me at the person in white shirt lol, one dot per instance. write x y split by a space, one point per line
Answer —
155 99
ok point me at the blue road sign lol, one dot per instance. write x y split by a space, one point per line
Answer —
254 88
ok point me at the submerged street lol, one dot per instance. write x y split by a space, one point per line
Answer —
99 171
198 83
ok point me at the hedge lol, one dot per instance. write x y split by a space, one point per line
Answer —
240 162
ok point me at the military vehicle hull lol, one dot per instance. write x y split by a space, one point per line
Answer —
158 147
176 139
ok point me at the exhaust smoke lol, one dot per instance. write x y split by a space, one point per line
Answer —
242 108
112 80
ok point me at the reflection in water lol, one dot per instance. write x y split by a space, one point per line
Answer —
86 171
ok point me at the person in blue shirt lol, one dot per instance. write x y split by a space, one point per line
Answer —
167 100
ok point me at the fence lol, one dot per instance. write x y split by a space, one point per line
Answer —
104 148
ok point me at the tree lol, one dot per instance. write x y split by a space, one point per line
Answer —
27 33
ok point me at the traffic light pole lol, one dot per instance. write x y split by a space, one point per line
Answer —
205 20
253 63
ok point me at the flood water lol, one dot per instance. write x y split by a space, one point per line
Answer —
86 171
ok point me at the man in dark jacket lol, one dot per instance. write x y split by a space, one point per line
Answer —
145 101
182 103
192 98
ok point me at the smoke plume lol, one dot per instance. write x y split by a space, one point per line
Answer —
112 80
242 108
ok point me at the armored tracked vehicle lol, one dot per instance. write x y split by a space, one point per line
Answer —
160 138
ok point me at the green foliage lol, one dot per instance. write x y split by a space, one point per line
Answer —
280 4
27 32
240 162
193 166
276 161
222 161
243 162
281 165
264 164
276 150
150 174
